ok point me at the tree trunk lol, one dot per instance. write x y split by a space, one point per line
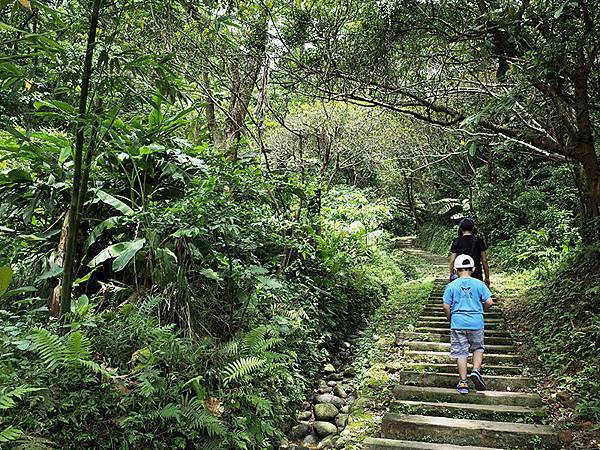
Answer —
211 119
589 191
75 205
584 152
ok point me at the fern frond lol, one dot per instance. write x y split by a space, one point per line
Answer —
253 339
10 434
93 366
231 348
267 344
6 397
78 345
200 419
262 405
170 411
241 368
52 350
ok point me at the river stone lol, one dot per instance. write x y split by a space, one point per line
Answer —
304 415
328 398
359 403
325 411
345 409
336 376
341 420
328 368
325 390
325 443
311 439
339 391
331 383
324 428
300 431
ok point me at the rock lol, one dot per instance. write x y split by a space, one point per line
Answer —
563 396
340 392
326 411
341 420
304 415
324 428
350 372
346 344
328 368
337 362
328 398
300 431
336 376
359 403
331 383
311 439
325 390
306 405
321 384
565 436
326 443
345 409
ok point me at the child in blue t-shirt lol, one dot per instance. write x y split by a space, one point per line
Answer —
465 299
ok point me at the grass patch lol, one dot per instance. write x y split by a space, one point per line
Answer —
373 382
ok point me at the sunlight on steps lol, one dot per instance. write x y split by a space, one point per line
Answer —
428 413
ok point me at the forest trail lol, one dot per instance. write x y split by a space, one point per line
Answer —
432 412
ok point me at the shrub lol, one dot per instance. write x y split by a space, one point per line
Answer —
436 238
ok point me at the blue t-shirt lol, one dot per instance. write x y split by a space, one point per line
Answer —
466 297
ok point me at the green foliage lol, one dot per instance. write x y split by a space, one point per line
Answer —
563 319
436 238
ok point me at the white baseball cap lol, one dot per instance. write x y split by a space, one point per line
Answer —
464 262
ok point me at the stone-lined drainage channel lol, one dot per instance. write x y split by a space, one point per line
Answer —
325 414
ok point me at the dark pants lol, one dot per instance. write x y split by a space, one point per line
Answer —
478 274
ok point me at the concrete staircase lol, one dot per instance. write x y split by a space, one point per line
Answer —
429 413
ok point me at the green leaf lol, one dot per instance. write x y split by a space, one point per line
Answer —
54 271
57 105
99 229
17 291
65 154
123 252
128 253
6 275
210 274
114 202
473 149
10 434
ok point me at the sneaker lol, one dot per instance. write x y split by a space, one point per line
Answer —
477 380
463 386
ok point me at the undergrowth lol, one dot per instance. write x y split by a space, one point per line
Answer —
401 309
436 238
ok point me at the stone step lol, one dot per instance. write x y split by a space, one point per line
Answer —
487 332
449 380
449 368
468 432
396 444
437 394
445 324
445 347
472 410
444 357
443 318
439 311
438 337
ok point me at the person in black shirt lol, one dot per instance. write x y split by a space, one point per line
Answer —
468 243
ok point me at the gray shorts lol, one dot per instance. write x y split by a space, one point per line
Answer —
463 342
